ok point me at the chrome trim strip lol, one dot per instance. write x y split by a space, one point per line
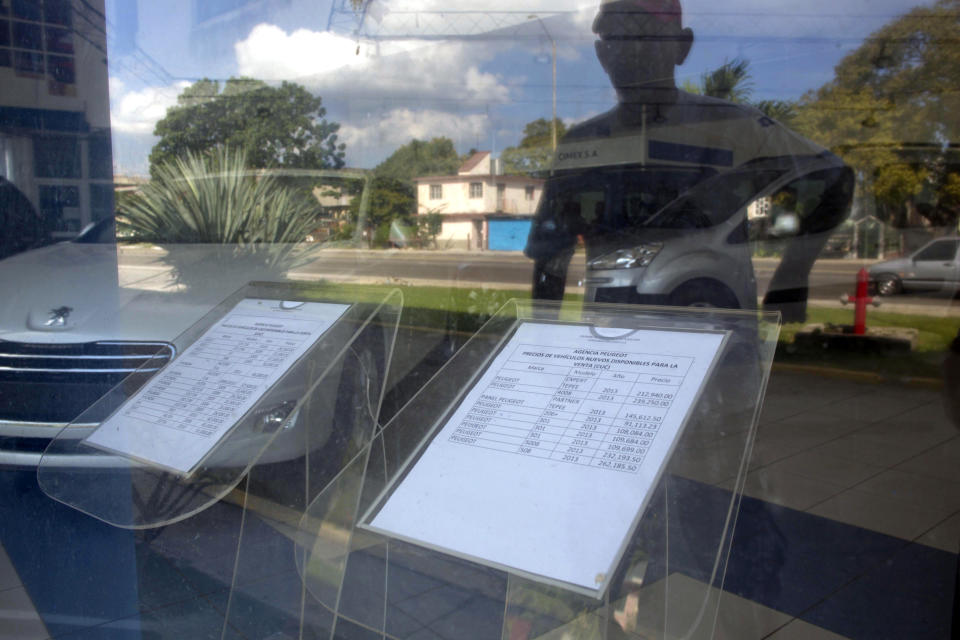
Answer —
68 371
72 357
31 459
107 343
57 425
133 342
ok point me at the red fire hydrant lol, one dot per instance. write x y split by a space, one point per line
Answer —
861 300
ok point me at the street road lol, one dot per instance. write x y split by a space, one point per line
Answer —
829 280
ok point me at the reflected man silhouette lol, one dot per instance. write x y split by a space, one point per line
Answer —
658 187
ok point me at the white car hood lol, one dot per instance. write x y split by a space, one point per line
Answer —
83 278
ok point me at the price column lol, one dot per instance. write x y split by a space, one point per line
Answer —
638 422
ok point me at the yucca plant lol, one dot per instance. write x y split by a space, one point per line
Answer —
247 226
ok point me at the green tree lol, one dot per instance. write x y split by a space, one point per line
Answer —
730 81
783 111
393 195
891 111
418 158
429 226
275 126
535 151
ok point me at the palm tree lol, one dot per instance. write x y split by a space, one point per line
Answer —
730 81
247 223
781 110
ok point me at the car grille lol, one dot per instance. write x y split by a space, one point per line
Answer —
56 382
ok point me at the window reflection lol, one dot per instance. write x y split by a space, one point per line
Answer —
648 152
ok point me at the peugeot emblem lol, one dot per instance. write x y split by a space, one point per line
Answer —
58 317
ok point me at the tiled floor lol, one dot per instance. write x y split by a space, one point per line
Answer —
859 482
18 617
881 458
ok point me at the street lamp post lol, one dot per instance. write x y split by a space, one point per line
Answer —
553 49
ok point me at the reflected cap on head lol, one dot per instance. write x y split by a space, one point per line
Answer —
614 15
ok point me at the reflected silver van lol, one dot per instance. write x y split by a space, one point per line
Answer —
695 250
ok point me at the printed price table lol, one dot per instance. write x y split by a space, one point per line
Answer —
213 379
566 428
177 418
603 410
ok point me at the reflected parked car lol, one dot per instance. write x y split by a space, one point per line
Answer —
69 332
934 267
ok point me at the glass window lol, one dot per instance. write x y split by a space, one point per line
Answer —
26 9
61 69
728 162
59 207
943 250
100 156
58 12
27 63
27 35
57 157
59 40
101 201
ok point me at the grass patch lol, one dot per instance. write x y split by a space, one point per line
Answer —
464 310
933 339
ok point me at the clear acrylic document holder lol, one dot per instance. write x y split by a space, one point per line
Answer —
321 398
354 582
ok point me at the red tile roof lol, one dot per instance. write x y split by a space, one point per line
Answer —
473 161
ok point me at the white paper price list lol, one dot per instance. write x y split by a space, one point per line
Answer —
604 409
214 380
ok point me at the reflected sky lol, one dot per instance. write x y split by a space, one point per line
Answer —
479 87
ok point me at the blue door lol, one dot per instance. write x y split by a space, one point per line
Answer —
508 235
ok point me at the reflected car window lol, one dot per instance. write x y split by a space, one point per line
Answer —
713 202
944 250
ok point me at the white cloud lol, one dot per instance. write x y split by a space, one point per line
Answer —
137 111
399 126
270 53
337 65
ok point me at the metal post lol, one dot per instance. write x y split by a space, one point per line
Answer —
553 121
553 49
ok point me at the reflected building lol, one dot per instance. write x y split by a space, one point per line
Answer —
55 144
482 208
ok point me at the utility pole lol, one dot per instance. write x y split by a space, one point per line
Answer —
553 51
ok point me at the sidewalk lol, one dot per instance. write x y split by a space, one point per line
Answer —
863 481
